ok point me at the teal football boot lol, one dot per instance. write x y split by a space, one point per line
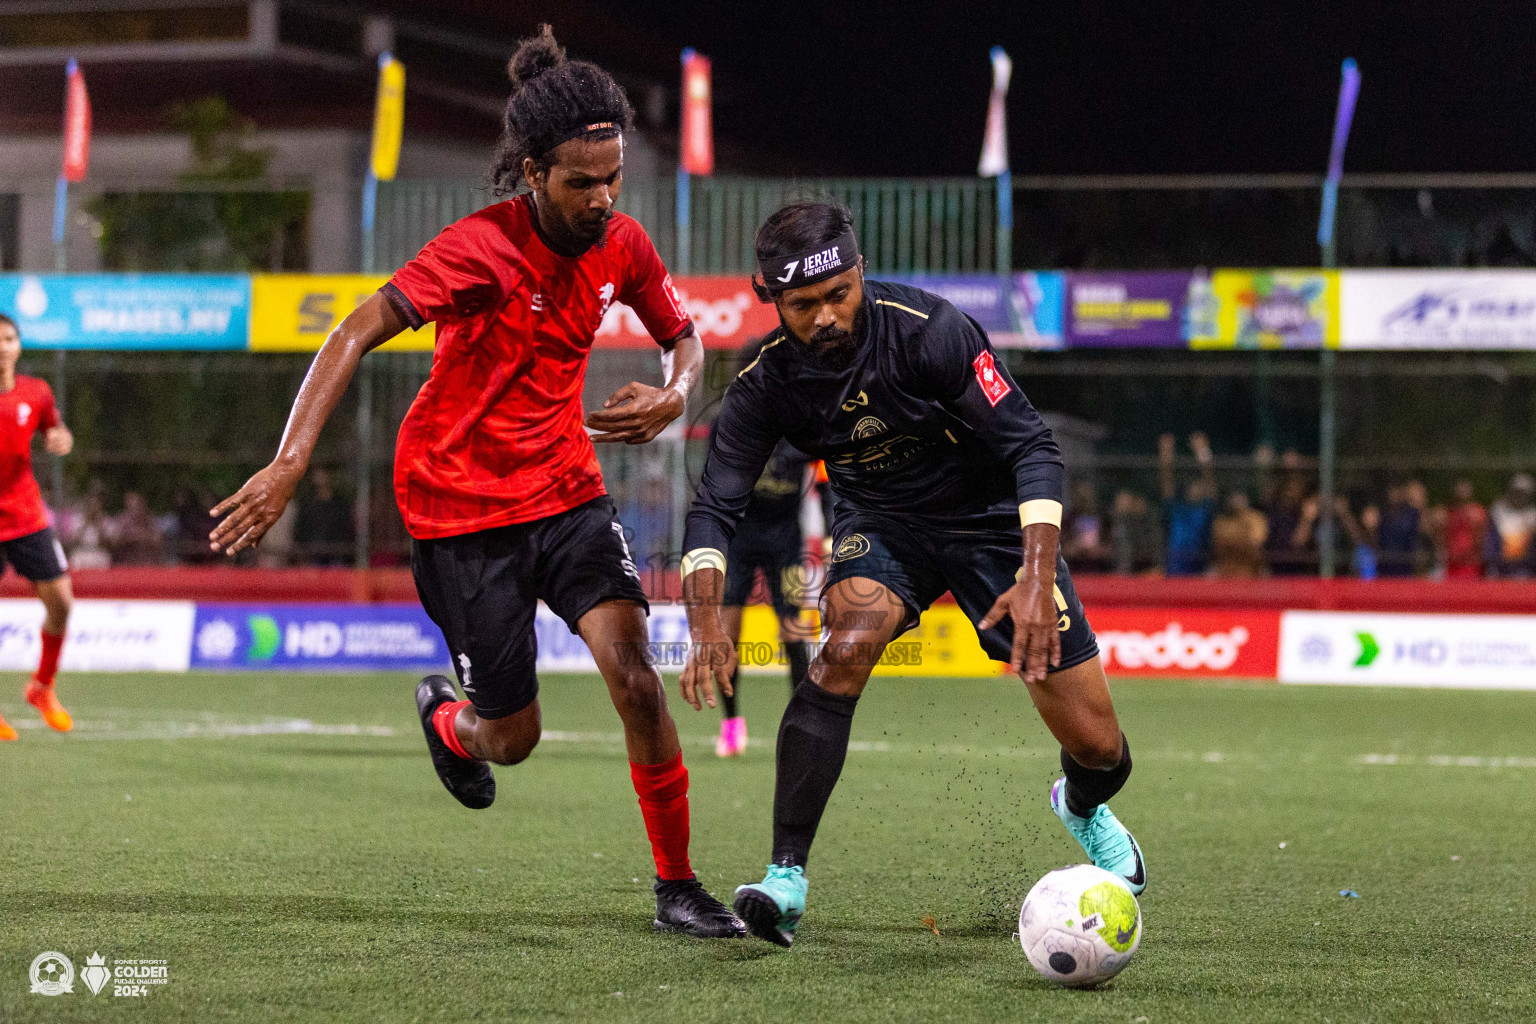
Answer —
1107 842
771 908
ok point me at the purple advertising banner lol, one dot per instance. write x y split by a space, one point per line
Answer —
1130 309
1017 311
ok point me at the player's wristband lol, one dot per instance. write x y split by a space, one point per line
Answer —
1041 510
703 558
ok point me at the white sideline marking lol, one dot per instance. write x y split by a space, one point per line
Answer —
204 725
1447 761
207 729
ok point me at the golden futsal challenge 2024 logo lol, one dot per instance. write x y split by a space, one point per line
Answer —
53 974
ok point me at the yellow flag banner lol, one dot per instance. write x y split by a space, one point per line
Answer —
296 312
388 120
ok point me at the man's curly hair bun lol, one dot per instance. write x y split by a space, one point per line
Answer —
553 99
535 55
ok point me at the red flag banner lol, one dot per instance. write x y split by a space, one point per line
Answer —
77 125
698 143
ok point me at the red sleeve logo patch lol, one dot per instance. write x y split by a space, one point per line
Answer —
992 383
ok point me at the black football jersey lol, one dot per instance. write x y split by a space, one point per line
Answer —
924 420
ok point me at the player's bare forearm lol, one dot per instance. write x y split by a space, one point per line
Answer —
1031 604
59 441
253 509
637 413
687 363
711 654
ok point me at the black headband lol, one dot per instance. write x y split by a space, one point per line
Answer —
826 260
586 129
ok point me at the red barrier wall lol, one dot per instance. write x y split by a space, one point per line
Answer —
221 583
1303 594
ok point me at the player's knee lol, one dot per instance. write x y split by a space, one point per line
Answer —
845 677
58 606
1097 747
638 695
509 748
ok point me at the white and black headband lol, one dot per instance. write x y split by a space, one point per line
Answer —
829 259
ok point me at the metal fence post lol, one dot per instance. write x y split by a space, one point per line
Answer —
1005 222
364 500
681 260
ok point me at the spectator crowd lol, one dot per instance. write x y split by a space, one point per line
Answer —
317 529
1193 529
1189 527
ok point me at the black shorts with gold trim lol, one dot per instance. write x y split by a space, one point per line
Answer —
975 558
776 548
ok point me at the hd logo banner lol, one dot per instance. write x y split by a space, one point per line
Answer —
340 637
1383 649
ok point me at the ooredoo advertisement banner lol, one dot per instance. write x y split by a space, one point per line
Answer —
1439 309
1184 642
1382 649
726 314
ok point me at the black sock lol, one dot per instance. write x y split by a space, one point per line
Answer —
813 741
799 654
728 700
1089 787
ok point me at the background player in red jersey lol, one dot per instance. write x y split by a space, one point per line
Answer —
27 540
495 476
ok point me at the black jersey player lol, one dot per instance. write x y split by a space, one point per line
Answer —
936 461
769 542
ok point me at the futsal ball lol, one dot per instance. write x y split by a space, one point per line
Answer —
1079 926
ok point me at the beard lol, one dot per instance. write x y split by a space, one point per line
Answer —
592 234
833 347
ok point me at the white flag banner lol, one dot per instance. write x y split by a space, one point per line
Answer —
994 146
1438 309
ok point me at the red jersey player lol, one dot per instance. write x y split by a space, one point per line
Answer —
495 476
27 540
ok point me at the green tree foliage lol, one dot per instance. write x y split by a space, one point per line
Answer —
220 219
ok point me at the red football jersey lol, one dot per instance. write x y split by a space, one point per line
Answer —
24 410
495 435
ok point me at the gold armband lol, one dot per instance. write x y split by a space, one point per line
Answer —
703 558
1041 510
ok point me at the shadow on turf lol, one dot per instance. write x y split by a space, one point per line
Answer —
304 750
628 915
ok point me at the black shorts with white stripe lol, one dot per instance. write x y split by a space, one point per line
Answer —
482 589
38 557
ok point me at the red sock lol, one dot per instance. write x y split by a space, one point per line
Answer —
663 791
48 664
442 723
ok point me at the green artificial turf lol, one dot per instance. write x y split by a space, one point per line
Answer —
324 874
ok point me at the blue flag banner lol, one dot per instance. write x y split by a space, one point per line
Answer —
1349 91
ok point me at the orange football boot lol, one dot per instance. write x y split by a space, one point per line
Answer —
6 732
47 702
